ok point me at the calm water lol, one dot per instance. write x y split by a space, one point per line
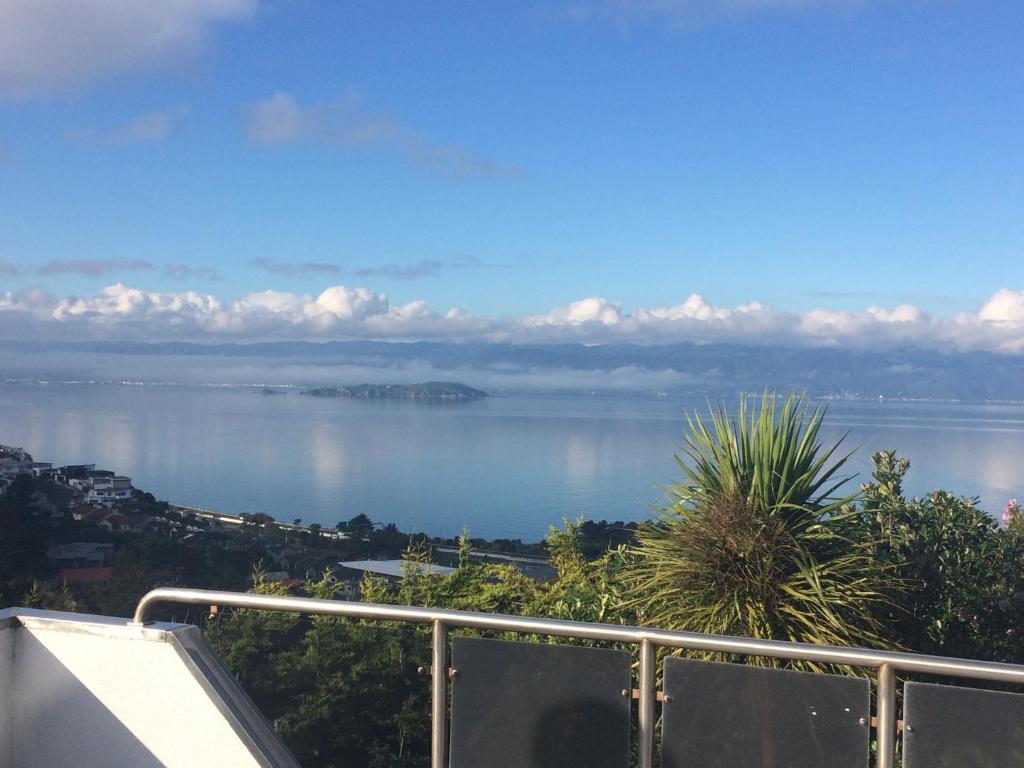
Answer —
500 467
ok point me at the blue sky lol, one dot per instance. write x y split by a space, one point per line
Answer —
508 159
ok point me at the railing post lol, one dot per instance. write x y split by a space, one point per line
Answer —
885 732
647 720
439 696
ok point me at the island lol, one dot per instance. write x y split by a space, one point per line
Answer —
431 390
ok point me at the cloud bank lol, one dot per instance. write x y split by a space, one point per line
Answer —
49 46
120 312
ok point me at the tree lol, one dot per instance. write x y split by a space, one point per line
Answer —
23 537
344 692
962 589
50 596
360 524
755 541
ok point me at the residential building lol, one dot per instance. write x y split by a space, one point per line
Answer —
117 522
108 491
81 554
88 512
73 472
43 469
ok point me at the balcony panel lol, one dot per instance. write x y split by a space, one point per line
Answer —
526 705
735 716
951 727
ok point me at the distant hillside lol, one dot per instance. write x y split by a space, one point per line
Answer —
717 369
431 390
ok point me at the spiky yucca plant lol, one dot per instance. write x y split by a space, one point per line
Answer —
754 540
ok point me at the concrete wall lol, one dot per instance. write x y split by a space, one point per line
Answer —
6 711
100 693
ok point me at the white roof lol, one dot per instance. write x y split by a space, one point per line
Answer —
394 568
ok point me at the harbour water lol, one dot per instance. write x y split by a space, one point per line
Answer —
499 467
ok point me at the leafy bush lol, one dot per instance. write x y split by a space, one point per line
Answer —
962 588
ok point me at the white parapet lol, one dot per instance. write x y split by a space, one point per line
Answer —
92 691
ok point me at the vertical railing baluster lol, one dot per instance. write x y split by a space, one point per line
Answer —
647 720
439 696
885 731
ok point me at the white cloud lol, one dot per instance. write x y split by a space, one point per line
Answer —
998 325
31 300
122 312
49 46
593 311
695 319
1004 306
694 308
148 128
280 119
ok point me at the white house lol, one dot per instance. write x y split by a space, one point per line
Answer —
109 491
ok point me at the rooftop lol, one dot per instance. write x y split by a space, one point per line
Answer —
396 569
95 691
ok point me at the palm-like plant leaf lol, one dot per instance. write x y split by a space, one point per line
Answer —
753 540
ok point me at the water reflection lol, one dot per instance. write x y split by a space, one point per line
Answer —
501 467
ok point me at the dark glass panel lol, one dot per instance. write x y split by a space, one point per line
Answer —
735 716
952 727
528 705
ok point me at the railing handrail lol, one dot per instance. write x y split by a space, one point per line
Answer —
648 639
780 649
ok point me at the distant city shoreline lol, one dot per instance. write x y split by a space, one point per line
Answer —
327 391
904 374
83 495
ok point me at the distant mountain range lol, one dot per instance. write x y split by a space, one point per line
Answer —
675 369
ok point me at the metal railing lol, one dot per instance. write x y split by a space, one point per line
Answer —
887 663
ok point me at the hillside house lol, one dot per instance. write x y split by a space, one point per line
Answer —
116 522
109 491
81 554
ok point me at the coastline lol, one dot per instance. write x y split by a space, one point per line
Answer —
641 394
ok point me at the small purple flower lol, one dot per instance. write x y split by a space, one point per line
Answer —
1011 511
